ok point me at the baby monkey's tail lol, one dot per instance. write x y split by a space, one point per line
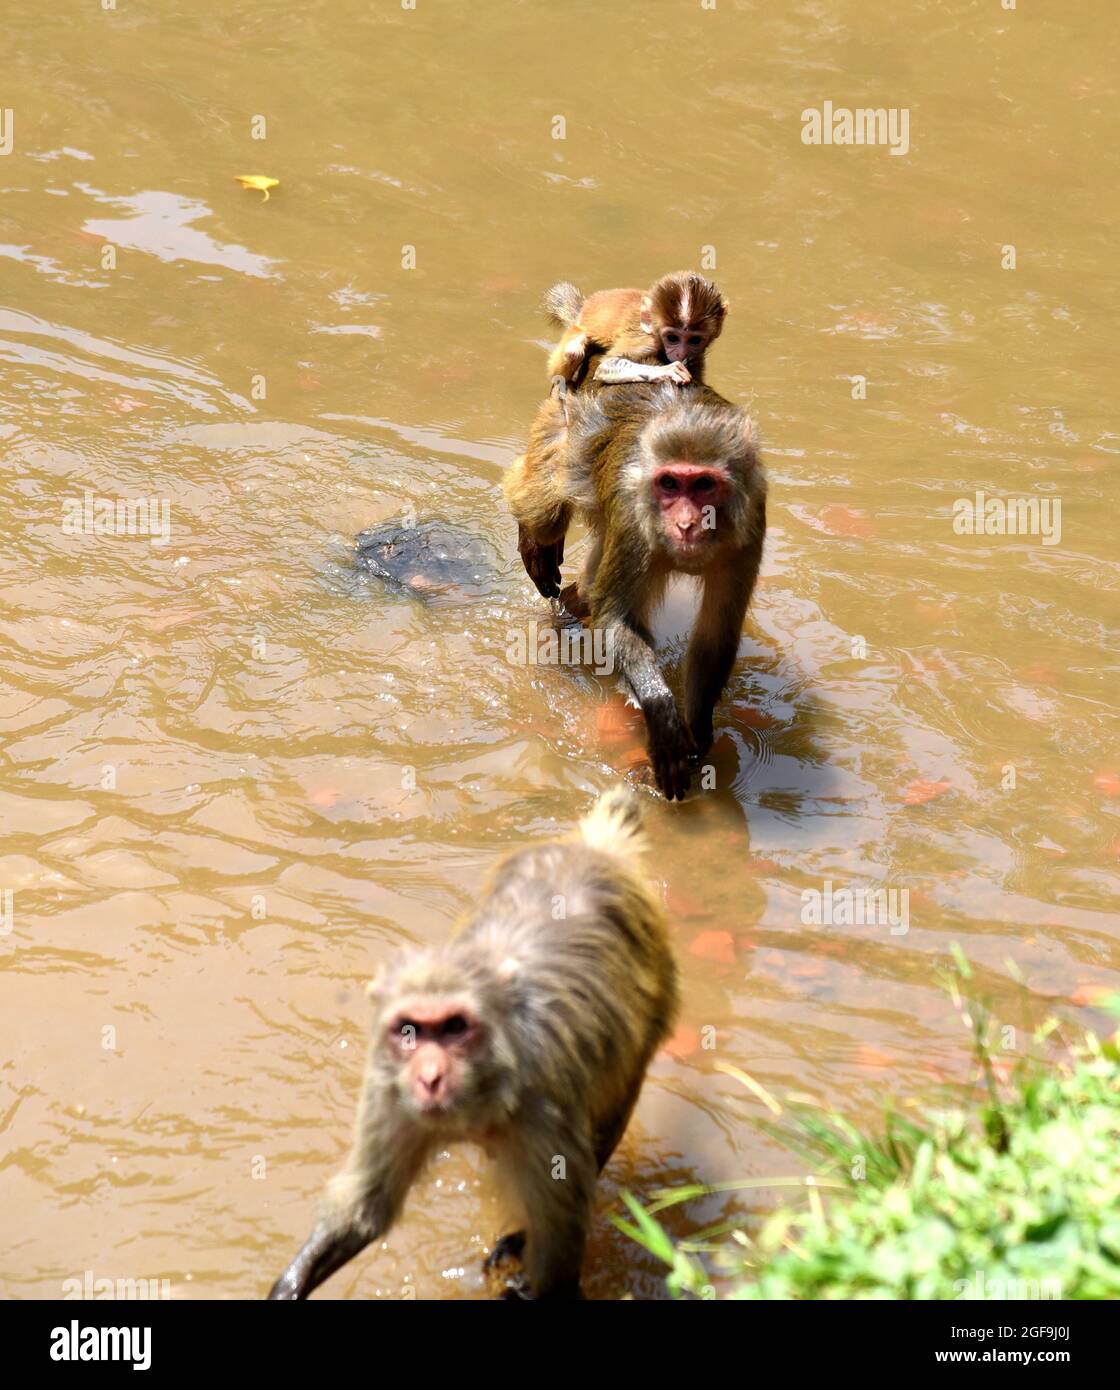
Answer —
562 304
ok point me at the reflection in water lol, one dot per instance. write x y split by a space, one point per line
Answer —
236 777
70 353
161 226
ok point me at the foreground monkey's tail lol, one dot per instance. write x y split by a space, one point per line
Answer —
562 304
614 823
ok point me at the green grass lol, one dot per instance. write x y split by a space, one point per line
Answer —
1015 1194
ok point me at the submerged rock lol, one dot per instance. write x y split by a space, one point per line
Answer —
433 561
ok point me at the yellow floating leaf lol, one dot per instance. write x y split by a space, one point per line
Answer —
260 181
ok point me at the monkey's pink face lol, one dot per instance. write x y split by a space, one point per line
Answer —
433 1042
688 498
684 343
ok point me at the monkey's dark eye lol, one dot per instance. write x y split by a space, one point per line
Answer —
454 1026
703 485
695 340
669 484
672 337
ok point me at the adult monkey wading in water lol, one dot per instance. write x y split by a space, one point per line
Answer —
669 479
530 1033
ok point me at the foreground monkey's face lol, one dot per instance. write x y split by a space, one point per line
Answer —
434 1043
688 498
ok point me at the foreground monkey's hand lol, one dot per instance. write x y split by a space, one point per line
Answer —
670 747
678 372
542 562
703 736
503 1270
574 601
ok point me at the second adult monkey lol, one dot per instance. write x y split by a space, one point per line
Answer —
648 335
529 1033
670 482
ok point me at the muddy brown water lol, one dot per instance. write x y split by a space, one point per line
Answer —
236 776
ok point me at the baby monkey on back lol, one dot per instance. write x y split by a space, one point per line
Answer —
529 1033
648 335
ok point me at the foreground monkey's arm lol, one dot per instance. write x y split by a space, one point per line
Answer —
612 370
363 1201
324 1251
